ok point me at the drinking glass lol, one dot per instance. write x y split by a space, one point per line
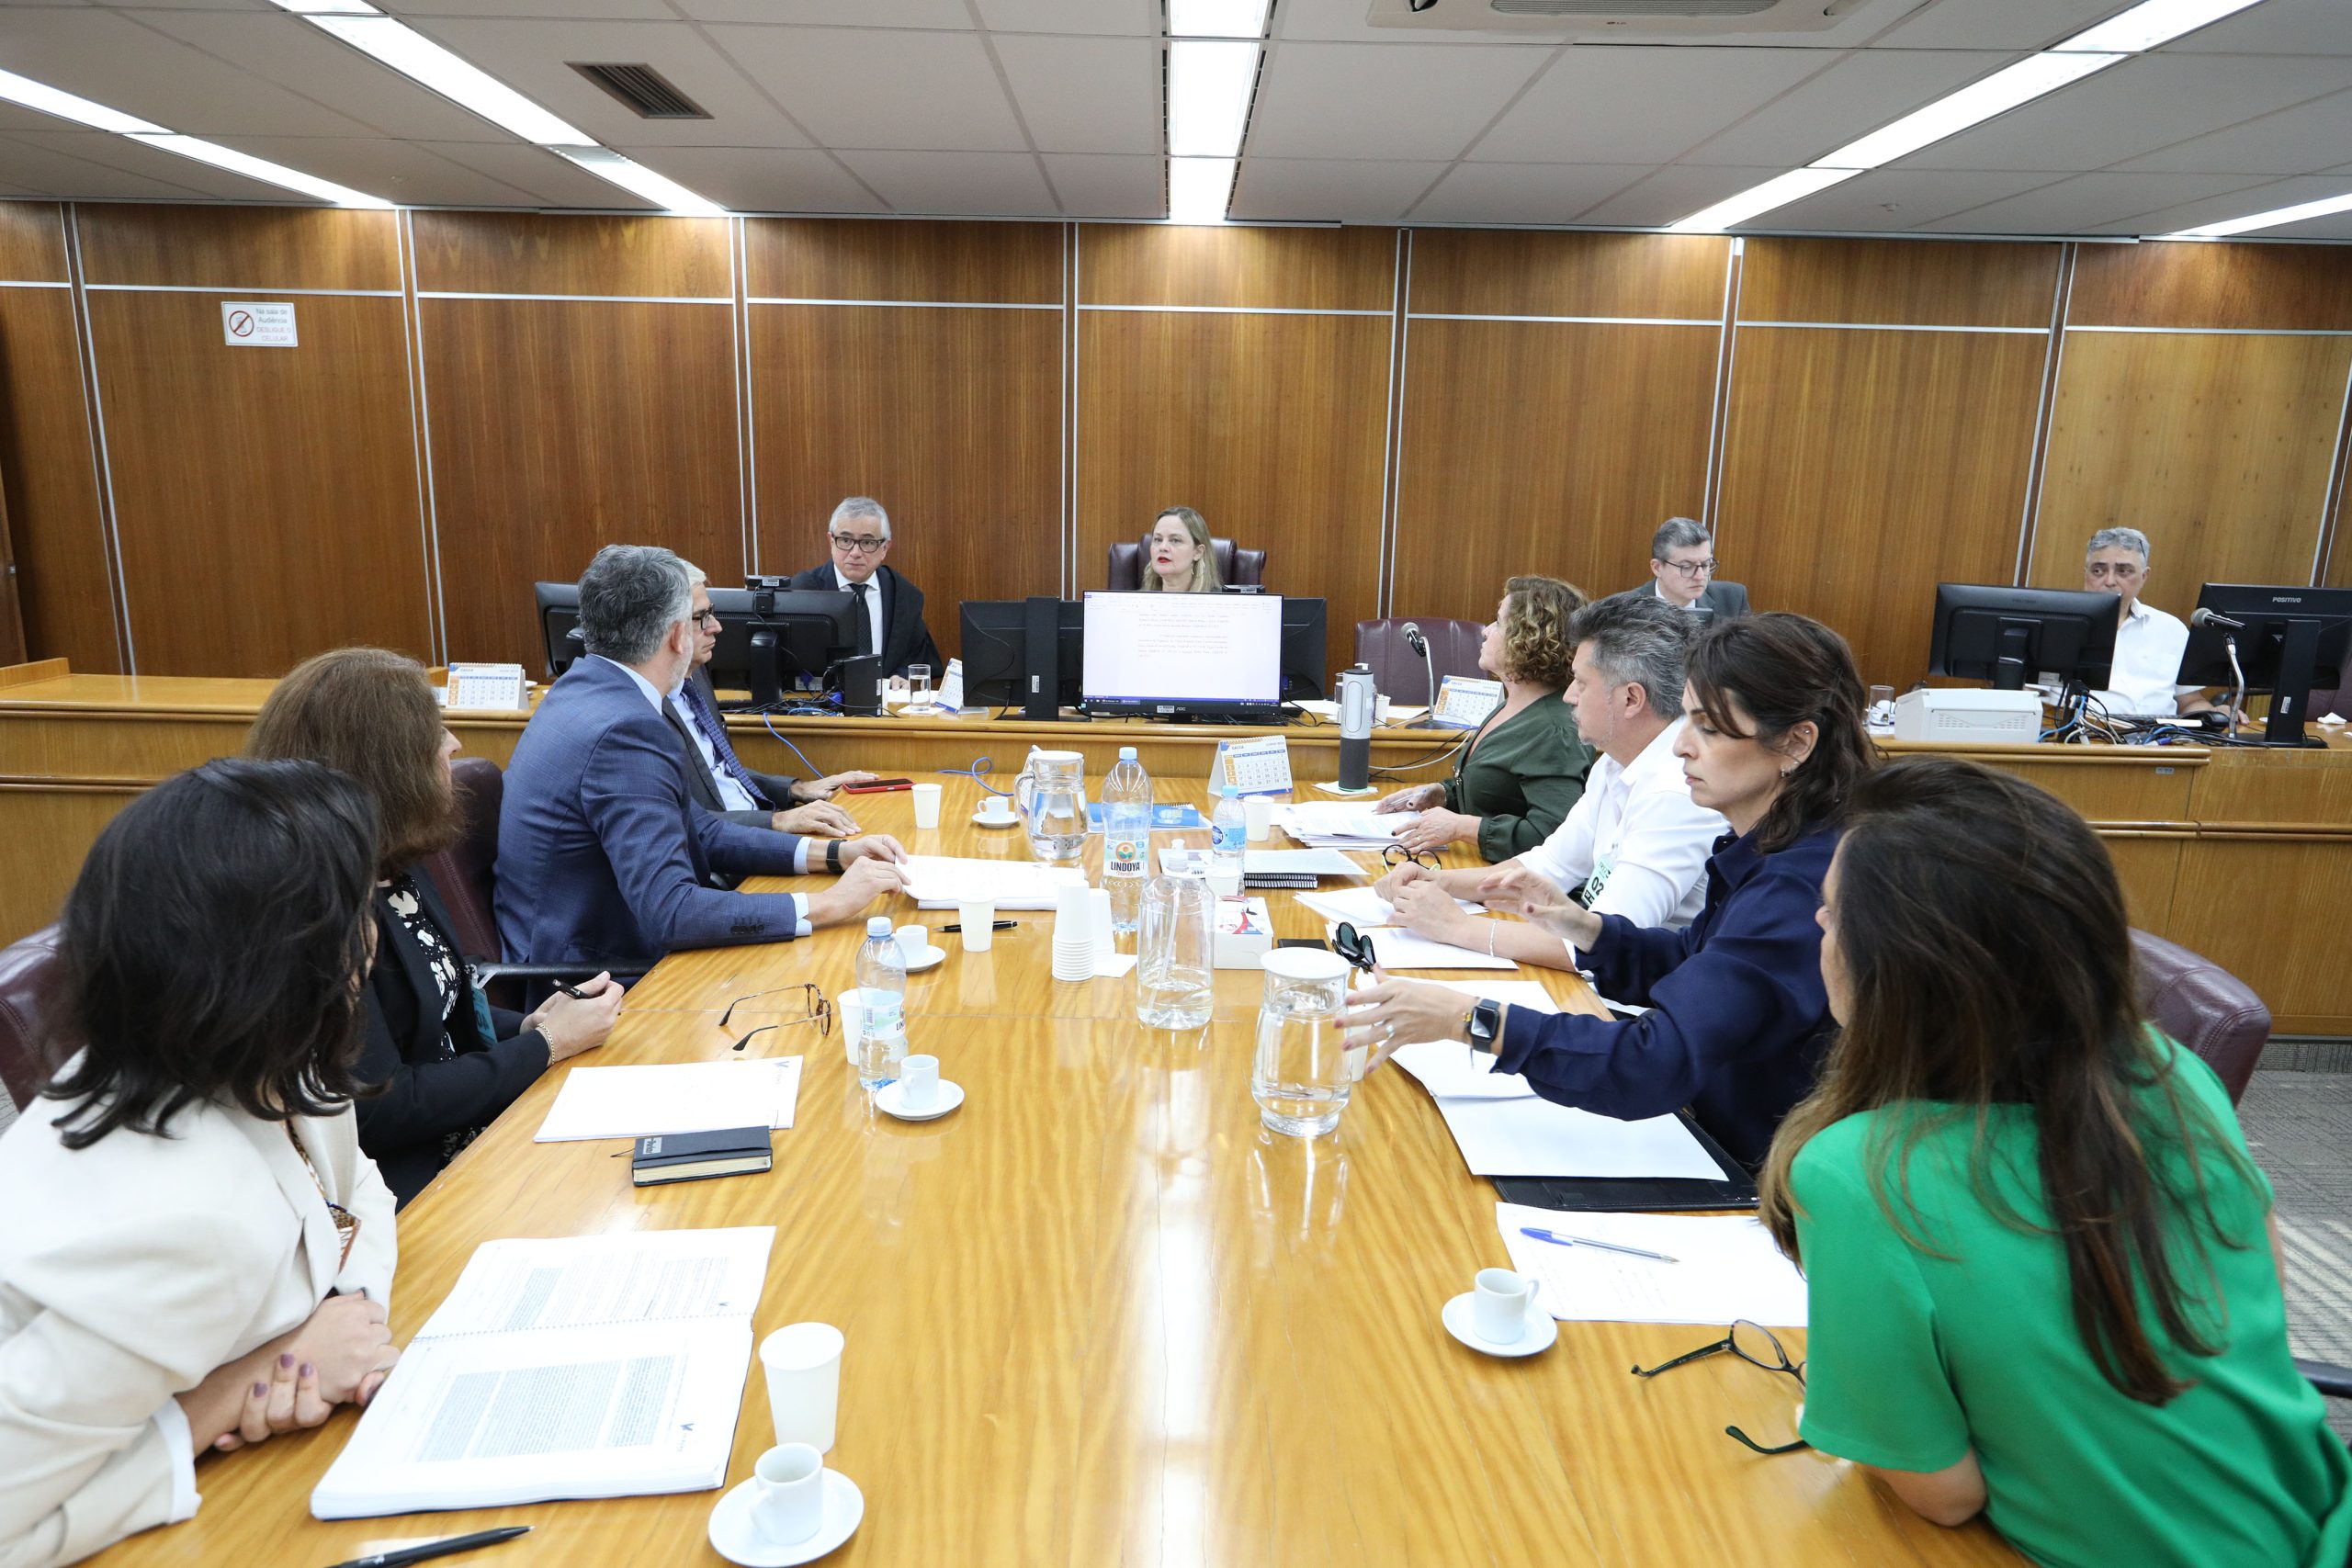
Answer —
919 688
1175 952
1303 1072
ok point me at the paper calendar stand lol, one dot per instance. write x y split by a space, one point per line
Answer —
1251 767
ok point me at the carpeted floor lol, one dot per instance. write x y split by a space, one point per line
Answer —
2300 1125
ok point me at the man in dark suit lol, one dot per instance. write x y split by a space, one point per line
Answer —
1682 572
893 626
603 857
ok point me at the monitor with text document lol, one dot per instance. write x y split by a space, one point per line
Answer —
1182 653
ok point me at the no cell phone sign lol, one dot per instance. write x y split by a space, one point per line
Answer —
250 323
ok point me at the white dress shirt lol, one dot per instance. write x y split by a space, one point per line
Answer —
1659 589
2148 646
1635 842
873 600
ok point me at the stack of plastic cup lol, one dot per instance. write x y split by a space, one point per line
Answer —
1074 934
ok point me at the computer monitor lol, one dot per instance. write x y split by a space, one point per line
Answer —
998 671
1182 655
558 611
2009 636
1303 650
2286 639
766 636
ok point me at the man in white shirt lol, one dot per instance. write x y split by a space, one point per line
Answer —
2148 642
1635 843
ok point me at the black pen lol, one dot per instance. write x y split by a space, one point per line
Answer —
999 926
436 1548
575 993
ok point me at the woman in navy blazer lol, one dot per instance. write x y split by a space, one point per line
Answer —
1739 1020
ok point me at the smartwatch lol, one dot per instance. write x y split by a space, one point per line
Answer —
833 854
1486 1021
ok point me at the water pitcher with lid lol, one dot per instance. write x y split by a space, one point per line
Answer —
1050 795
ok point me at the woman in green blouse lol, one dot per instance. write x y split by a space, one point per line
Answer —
2043 1271
1518 777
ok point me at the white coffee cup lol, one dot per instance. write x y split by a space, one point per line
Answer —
919 1082
1380 710
1098 909
977 917
997 808
927 805
788 1494
1498 1308
913 940
803 1361
1259 812
1225 884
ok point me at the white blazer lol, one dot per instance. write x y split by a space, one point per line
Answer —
128 1271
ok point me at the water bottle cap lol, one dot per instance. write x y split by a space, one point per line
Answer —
1126 753
1228 791
878 925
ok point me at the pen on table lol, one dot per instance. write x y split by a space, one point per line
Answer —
1587 1241
999 926
419 1553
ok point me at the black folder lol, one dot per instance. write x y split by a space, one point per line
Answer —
1613 1194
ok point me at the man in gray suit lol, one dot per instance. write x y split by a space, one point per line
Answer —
1682 569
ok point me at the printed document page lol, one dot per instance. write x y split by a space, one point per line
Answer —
1725 1267
1535 1137
684 1097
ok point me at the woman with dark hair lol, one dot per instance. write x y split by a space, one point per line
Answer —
2043 1269
1737 1022
195 1254
1518 777
441 1061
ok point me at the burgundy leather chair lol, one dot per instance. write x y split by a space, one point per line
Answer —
2203 1005
1243 568
466 876
1396 671
27 973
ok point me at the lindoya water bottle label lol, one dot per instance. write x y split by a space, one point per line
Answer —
884 1017
1227 838
1124 855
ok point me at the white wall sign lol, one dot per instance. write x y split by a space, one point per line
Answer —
267 323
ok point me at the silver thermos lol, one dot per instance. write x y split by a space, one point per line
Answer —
1357 699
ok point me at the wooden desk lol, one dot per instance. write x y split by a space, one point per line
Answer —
1099 1315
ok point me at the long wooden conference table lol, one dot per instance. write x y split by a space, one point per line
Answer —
1099 1315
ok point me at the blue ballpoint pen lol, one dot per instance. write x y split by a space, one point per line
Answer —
1588 1241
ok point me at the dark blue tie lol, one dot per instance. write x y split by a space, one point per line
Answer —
716 733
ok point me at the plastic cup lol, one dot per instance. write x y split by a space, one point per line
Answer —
977 917
803 1362
927 805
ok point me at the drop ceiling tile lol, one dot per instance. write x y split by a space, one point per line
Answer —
1896 200
1322 190
1086 95
1101 185
988 184
1527 193
109 58
552 181
531 58
1345 100
2086 203
1140 18
1342 21
1866 89
2134 108
296 57
524 10
408 172
1641 104
1668 195
879 89
2241 203
1998 24
2302 140
2276 27
14 117
949 15
47 171
96 164
762 179
174 5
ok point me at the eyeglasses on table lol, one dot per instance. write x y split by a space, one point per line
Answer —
814 1008
1397 855
1755 1345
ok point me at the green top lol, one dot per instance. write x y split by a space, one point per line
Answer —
1916 1359
1520 775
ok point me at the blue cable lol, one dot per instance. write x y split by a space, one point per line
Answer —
980 766
769 719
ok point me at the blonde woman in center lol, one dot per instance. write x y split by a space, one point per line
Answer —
1177 557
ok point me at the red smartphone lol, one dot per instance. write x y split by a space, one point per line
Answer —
880 786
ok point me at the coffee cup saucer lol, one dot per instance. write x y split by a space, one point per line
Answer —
982 819
733 1537
930 957
1461 1315
890 1100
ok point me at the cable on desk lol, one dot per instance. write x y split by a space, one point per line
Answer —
768 718
1419 764
976 772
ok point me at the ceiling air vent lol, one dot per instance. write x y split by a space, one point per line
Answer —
1738 22
1631 8
646 92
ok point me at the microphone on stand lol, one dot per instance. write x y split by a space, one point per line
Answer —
1420 644
2201 616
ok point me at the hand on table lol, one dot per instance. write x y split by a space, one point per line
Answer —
1412 797
1424 906
1400 877
1436 828
869 877
1390 1013
1517 889
874 846
573 1024
823 789
818 819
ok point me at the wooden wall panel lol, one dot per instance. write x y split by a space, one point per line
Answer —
1495 272
1272 426
266 499
951 418
1551 447
560 426
794 258
2299 962
1861 468
525 252
1238 268
1907 282
238 247
32 241
2247 288
50 477
2216 446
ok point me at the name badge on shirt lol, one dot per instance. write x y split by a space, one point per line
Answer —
1597 881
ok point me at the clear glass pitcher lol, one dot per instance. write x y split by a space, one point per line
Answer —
1302 1075
1174 954
1050 795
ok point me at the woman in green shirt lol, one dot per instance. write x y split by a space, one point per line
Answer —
1514 782
2044 1284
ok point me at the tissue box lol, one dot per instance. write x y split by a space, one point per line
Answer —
1245 932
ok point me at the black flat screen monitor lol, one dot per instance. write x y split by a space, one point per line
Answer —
1303 650
2288 640
767 637
996 655
2010 636
559 608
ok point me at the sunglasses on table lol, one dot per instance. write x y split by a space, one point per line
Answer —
1397 855
1352 945
815 1009
1755 1345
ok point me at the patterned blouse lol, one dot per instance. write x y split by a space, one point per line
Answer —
448 972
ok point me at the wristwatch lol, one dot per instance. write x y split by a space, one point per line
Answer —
1485 1023
833 854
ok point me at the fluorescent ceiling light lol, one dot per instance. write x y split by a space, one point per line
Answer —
414 55
258 168
1208 96
330 8
2153 22
1198 190
1217 18
1779 192
632 176
1972 105
2323 208
40 95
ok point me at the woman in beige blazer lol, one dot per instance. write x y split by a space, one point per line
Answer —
194 1254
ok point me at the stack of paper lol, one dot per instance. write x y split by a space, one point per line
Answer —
942 882
1451 1072
1363 907
1325 824
1176 859
686 1097
1725 1268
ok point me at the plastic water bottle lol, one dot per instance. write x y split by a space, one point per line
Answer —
1126 838
882 988
1229 832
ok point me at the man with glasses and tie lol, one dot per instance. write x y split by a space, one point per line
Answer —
1682 565
892 624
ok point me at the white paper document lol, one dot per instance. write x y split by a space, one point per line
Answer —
1362 906
603 1366
1450 1070
1535 1137
1318 863
1394 947
684 1097
941 882
1328 823
1725 1267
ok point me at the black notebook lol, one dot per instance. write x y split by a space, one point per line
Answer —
1626 1194
692 1156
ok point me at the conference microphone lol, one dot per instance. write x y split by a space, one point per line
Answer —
1357 698
1420 644
2201 616
1415 640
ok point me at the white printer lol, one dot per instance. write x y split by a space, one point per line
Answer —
1969 716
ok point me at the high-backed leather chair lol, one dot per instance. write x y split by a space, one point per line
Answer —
1396 671
28 978
466 875
1243 568
2203 1005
